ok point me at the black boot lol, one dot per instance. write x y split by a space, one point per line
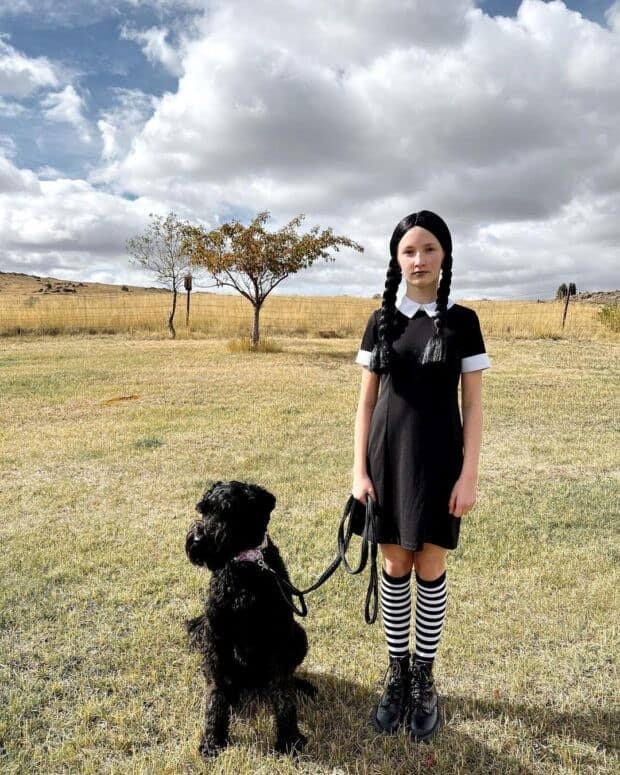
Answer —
424 719
392 707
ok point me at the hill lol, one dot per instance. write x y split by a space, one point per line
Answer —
19 282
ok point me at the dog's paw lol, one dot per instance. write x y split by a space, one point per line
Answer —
209 748
305 687
291 745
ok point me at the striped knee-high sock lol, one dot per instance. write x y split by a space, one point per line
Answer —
430 611
395 594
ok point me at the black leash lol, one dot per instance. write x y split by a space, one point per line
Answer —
344 539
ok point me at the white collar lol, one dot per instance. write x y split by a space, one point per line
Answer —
409 307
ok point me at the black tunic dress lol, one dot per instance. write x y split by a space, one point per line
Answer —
415 443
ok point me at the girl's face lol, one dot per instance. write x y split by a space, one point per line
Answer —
420 257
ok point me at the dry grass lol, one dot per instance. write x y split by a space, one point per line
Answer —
231 316
107 443
244 345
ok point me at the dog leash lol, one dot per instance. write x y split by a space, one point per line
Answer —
344 539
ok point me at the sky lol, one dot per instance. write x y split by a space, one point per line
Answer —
500 116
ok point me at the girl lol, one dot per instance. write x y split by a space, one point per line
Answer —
414 456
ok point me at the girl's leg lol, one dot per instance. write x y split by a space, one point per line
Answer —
395 596
396 560
431 601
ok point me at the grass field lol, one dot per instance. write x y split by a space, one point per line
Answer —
97 492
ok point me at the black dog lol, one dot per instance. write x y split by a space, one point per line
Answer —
247 634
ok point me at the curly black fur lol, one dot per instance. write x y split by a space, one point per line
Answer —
247 634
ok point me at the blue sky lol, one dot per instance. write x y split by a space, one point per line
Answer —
101 123
102 60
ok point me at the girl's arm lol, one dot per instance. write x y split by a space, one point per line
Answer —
463 494
368 398
471 399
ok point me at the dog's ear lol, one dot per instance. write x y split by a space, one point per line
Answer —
265 500
201 506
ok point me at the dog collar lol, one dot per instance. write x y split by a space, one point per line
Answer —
253 555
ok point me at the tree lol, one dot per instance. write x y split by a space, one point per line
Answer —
565 290
161 250
254 261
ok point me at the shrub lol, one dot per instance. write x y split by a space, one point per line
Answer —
244 344
609 315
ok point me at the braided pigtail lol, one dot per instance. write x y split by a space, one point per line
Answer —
381 355
435 350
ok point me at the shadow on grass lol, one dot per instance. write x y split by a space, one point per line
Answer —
341 736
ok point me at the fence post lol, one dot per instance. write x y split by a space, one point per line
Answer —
187 282
570 287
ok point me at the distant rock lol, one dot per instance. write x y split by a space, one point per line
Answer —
598 297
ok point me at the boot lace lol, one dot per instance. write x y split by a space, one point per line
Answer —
421 684
394 683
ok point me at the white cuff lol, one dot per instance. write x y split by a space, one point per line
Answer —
363 357
475 362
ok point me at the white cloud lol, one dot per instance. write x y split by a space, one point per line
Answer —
15 7
66 227
119 125
283 110
11 109
612 14
8 147
193 5
66 106
21 76
13 180
155 47
47 172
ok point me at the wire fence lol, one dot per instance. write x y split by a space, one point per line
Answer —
221 315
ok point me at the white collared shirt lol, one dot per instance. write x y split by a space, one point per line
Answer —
409 307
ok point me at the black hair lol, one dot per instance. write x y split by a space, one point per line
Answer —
435 350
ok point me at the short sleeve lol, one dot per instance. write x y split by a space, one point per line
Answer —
369 340
473 351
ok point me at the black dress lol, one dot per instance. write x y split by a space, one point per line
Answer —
415 443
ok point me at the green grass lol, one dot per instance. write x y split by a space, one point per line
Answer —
96 497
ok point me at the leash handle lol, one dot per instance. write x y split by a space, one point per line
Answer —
344 539
371 606
372 593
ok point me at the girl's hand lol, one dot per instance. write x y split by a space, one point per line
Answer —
463 496
362 486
